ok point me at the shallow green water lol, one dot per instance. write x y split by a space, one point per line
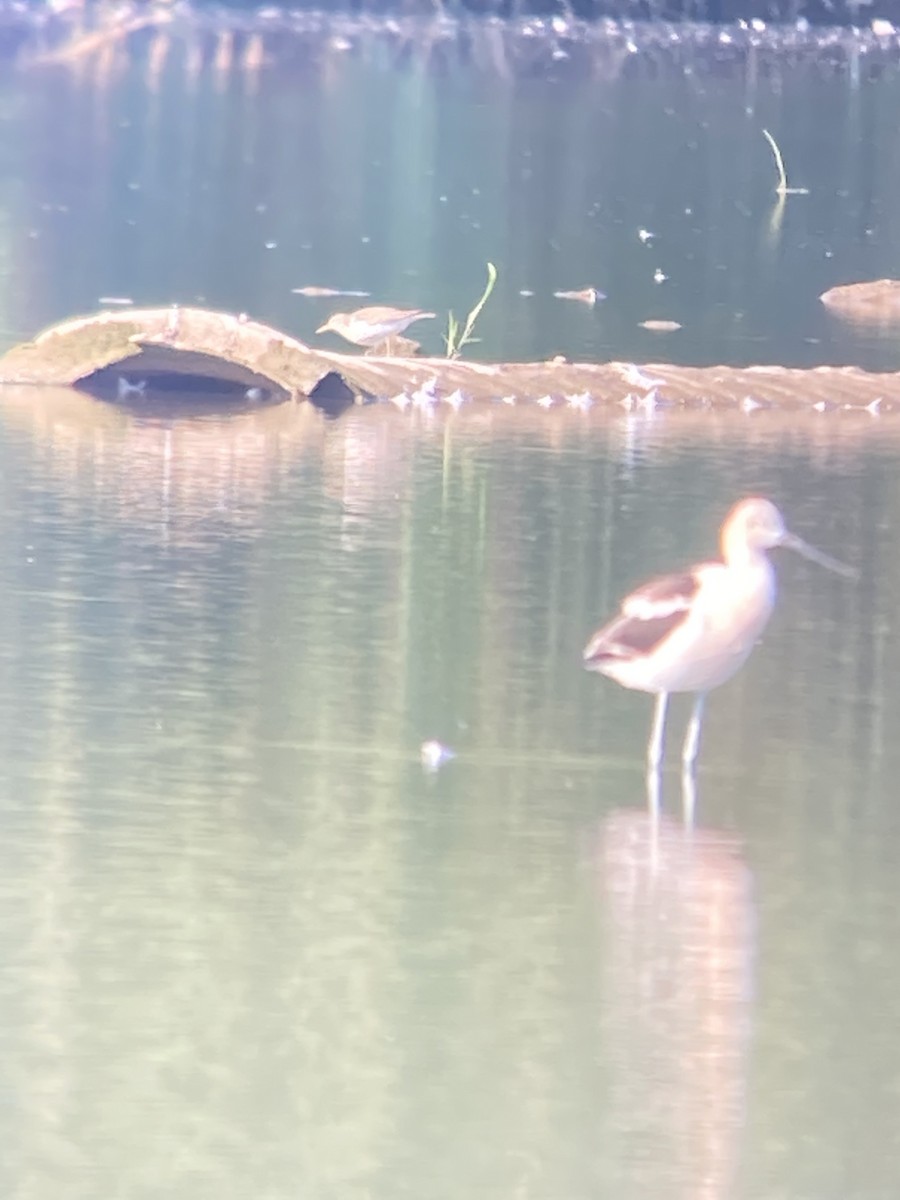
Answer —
249 947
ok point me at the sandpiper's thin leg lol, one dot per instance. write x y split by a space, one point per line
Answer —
657 733
692 737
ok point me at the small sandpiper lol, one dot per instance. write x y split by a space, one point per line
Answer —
374 325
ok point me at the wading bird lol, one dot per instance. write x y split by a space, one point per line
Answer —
371 326
692 631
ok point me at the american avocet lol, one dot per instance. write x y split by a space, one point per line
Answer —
692 631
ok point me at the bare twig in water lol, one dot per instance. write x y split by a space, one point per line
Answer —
782 189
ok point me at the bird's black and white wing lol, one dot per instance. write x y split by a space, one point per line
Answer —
647 616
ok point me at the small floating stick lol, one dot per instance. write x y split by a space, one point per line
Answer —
782 189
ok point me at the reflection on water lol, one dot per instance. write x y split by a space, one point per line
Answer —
154 466
678 981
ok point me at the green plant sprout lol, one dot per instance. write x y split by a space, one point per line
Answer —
455 338
782 189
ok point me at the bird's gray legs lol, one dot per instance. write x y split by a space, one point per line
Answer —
692 737
654 758
657 733
688 756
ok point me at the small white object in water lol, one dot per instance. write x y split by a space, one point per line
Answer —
646 236
659 276
545 401
255 393
655 326
511 400
124 387
882 28
119 300
433 755
456 399
583 401
426 395
401 401
587 295
874 408
749 405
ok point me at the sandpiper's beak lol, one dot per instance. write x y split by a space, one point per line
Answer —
790 541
